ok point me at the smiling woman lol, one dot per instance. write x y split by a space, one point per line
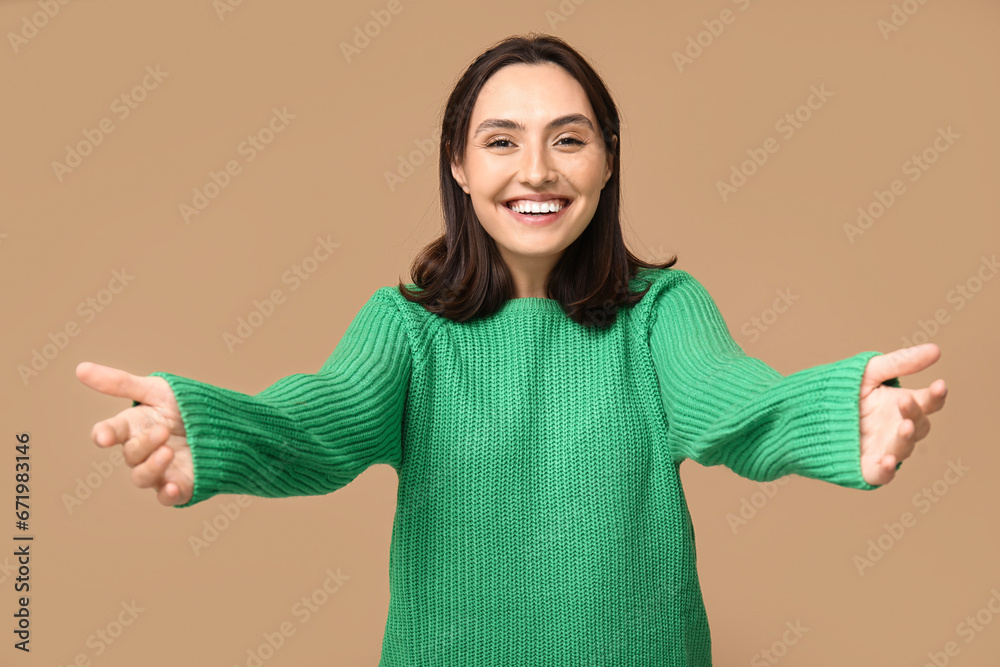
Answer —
529 176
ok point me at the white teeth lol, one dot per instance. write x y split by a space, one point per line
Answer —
529 206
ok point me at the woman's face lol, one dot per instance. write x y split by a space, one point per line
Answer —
533 132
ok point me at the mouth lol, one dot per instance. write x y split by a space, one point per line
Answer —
542 217
526 208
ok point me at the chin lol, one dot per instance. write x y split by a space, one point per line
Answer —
529 249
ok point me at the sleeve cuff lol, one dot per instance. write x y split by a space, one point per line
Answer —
836 458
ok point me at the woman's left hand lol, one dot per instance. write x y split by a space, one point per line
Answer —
893 419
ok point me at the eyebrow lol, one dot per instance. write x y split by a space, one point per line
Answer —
505 124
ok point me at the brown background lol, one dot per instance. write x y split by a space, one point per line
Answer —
324 175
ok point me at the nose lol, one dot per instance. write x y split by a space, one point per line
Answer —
536 167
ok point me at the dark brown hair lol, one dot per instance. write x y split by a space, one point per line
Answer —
461 274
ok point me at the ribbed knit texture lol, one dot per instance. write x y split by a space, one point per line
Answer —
540 518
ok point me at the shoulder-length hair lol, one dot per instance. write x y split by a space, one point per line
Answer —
461 274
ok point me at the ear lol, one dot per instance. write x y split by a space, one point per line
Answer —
459 173
611 161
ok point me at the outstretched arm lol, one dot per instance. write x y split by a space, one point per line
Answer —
725 407
306 434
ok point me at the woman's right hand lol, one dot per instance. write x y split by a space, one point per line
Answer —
154 442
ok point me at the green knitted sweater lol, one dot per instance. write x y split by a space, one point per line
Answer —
540 518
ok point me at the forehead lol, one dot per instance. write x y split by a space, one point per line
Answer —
530 94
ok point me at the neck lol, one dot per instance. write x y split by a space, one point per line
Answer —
530 275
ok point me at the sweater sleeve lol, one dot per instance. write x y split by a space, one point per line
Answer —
306 434
725 407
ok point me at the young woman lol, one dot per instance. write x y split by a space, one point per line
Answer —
536 388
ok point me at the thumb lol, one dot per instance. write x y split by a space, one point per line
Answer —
904 361
114 381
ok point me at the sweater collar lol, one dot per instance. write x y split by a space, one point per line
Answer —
530 304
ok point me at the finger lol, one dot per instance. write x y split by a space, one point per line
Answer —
104 434
149 472
114 381
909 408
119 429
114 430
143 443
904 442
931 399
912 416
898 363
921 429
889 464
169 494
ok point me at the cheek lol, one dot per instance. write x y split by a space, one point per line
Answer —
485 173
587 177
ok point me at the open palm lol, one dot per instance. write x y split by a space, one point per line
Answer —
152 435
893 419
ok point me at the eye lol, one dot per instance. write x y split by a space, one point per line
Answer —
502 140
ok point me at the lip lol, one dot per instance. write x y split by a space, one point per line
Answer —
538 197
536 220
